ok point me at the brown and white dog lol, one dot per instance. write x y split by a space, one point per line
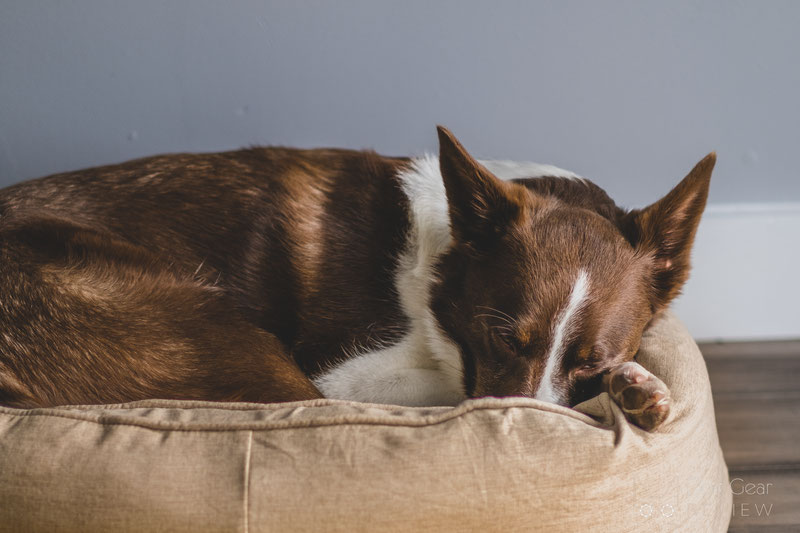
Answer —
276 274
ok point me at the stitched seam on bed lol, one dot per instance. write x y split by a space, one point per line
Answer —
247 482
300 424
473 404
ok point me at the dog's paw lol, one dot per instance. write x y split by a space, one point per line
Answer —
642 397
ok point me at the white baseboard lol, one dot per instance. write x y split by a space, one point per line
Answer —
745 283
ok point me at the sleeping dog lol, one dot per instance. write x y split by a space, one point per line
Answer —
277 274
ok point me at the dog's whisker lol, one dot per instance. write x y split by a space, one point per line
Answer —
509 317
507 331
199 267
497 317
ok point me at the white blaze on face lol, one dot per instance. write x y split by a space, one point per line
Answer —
547 390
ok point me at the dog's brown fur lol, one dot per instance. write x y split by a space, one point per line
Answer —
239 275
188 276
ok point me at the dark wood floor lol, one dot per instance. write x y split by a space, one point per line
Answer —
756 390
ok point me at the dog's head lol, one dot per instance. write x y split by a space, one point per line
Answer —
548 283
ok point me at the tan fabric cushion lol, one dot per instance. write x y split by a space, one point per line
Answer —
487 465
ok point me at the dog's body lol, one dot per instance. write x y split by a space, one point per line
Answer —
275 274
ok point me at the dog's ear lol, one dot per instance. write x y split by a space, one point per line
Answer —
666 230
481 206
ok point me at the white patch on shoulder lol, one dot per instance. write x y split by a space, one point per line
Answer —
510 170
424 368
547 390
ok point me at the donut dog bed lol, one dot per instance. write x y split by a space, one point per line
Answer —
511 464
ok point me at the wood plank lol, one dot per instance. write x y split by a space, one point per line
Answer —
756 431
754 374
765 501
751 349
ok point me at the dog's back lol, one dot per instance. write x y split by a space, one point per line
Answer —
161 276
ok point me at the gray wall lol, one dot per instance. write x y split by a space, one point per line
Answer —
628 93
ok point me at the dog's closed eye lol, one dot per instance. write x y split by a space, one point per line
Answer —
589 368
505 339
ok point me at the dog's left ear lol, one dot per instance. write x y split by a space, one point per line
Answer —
481 206
666 229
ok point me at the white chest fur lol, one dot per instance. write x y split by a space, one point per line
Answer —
424 368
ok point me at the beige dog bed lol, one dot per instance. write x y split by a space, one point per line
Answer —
487 465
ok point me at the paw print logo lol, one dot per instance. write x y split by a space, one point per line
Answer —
646 510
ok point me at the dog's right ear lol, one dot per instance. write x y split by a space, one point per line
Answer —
481 206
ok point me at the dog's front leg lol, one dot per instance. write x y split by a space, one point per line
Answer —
643 398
